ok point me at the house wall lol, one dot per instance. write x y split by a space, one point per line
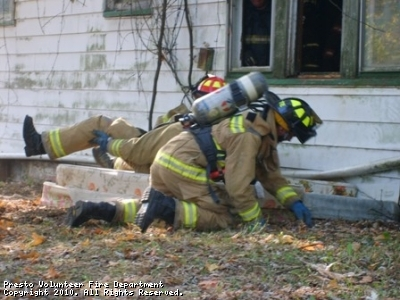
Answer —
359 131
360 125
63 62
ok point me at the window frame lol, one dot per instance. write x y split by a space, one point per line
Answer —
284 52
9 17
283 71
113 13
365 68
236 11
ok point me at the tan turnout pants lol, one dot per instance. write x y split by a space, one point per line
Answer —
64 141
197 209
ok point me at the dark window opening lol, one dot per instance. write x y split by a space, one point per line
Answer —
319 35
256 32
123 8
7 12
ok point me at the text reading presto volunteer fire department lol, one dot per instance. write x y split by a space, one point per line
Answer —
90 288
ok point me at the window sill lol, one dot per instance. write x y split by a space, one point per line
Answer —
7 23
127 13
364 80
320 76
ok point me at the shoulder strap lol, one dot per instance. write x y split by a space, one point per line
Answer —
203 137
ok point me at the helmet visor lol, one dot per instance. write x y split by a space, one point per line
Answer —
304 133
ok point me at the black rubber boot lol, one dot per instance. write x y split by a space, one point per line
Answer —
83 211
102 158
158 206
33 140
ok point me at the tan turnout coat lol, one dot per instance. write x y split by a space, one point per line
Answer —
250 144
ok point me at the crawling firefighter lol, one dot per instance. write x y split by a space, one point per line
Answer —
133 148
183 191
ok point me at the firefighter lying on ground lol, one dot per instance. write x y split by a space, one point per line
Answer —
181 192
134 148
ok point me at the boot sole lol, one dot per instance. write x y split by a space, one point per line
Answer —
28 152
32 138
147 219
73 214
103 162
27 122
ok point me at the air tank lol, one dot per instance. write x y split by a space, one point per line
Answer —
229 99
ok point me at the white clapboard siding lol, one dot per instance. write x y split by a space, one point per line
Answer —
85 61
51 8
106 41
349 104
84 99
327 158
64 62
55 117
93 80
65 117
364 135
360 127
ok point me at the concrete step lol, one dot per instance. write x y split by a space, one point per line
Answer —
75 183
350 208
102 180
326 187
54 195
326 200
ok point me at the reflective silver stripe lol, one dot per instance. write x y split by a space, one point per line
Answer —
181 168
236 124
55 141
284 193
251 90
221 154
251 213
256 39
115 145
130 210
189 214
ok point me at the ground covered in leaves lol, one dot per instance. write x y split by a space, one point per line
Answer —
333 260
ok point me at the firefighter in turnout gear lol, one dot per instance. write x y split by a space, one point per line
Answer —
134 148
246 147
184 190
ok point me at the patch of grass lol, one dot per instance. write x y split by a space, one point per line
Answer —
333 260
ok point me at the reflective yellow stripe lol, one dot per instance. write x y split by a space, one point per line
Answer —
216 144
237 124
256 39
130 210
284 193
301 113
189 214
55 141
221 155
251 213
115 145
118 163
165 118
179 167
